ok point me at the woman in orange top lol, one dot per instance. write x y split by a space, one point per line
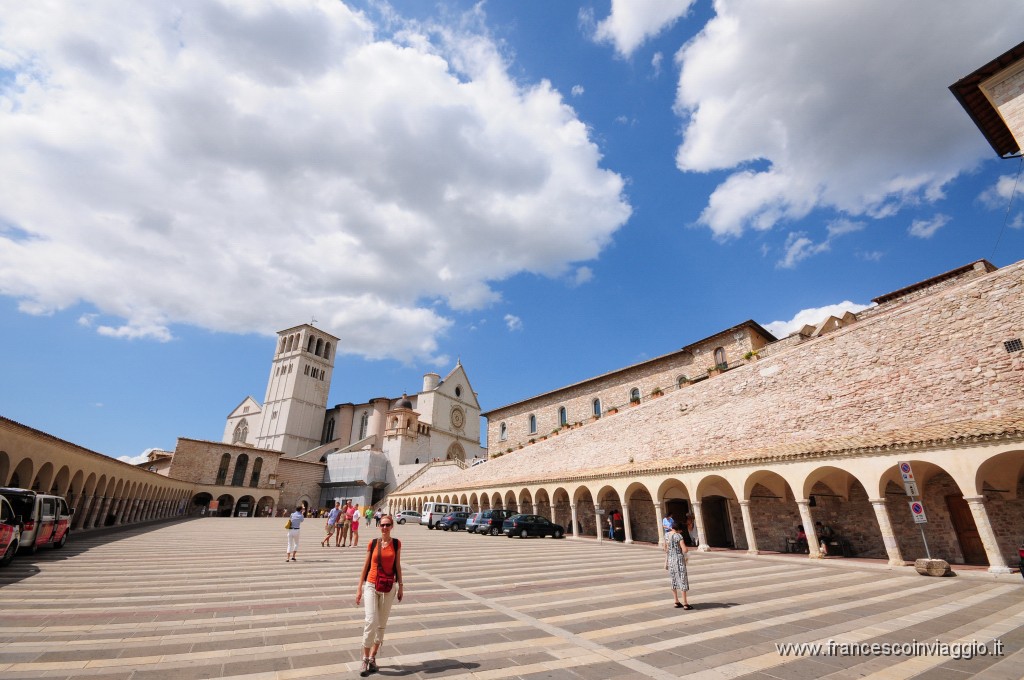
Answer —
385 556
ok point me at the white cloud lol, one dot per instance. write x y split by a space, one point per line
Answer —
811 317
583 275
631 22
577 90
244 165
840 110
135 460
927 228
998 196
799 247
656 62
513 322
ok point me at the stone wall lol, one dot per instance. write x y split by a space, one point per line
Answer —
198 461
613 389
299 480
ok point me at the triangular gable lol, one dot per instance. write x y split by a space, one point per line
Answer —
456 377
239 411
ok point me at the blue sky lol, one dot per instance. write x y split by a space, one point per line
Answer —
544 190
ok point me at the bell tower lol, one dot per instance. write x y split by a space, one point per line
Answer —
297 390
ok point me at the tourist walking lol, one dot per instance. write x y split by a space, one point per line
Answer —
380 582
332 523
295 521
353 532
675 562
346 522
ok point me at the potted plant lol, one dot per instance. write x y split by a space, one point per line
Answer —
612 411
714 370
656 392
635 401
750 356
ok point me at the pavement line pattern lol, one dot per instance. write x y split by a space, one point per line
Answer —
212 598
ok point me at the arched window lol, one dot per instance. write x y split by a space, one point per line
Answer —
257 468
681 381
502 432
634 394
241 432
720 358
533 424
597 408
242 462
222 471
456 452
563 417
291 343
364 421
330 430
310 345
284 343
327 351
319 346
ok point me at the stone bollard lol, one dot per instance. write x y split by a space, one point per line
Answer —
927 567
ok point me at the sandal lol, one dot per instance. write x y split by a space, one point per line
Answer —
687 606
679 605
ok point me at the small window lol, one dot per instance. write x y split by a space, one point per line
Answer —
458 390
681 381
1013 345
634 394
502 432
720 358
563 417
533 424
597 408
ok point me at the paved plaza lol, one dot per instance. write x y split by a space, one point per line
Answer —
213 598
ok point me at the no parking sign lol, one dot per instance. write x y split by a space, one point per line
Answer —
917 509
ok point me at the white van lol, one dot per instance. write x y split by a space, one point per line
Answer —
433 512
45 519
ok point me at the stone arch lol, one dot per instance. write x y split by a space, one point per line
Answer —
774 514
719 512
643 522
474 502
543 502
586 517
41 483
456 452
22 476
61 481
561 508
496 501
997 472
75 486
525 501
485 501
5 467
510 501
1000 479
247 505
674 499
463 500
225 505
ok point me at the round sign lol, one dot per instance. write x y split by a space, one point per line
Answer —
905 467
917 508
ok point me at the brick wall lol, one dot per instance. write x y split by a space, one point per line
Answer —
198 461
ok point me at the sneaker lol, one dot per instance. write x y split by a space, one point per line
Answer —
372 664
364 670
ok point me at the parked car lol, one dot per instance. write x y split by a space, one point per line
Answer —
453 521
403 516
434 512
472 522
490 521
531 525
10 532
45 519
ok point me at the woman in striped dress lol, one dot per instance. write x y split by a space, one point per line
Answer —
675 562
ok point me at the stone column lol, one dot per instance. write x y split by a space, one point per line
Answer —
625 523
813 549
535 508
572 510
96 512
892 548
101 511
748 528
82 511
997 565
126 510
597 520
659 518
698 521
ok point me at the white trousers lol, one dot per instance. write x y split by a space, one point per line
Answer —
293 540
377 607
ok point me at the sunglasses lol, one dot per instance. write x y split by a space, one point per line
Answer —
385 526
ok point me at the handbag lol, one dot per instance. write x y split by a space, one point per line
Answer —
384 582
288 524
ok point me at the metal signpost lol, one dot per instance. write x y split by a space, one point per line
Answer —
916 507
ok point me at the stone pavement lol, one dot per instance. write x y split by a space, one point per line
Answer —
213 598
